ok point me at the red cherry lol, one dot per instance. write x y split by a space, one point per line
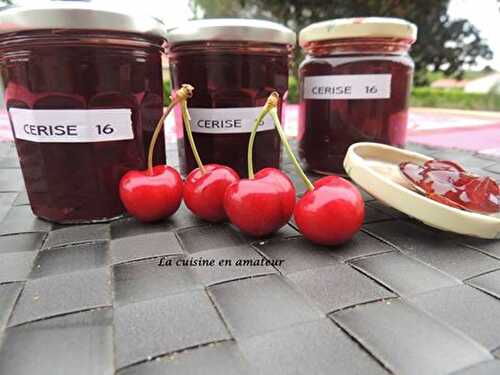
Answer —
151 195
262 205
332 213
204 191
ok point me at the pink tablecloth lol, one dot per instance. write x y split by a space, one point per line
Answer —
468 130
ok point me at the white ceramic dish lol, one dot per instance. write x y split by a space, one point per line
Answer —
374 167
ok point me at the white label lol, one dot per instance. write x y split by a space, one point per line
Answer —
227 120
348 86
72 125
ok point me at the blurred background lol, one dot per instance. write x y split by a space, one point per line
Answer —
455 101
457 54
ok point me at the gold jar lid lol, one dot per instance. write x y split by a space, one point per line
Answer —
369 27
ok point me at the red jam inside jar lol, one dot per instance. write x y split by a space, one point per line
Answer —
83 105
234 65
355 86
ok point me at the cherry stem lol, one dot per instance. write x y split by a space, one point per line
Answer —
284 141
187 125
272 100
181 95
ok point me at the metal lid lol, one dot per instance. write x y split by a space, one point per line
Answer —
358 28
77 15
232 29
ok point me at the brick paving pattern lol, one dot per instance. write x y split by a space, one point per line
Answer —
399 298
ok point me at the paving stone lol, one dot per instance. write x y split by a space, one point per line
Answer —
465 159
299 254
184 218
10 162
11 180
484 172
495 168
20 219
16 266
129 227
467 309
389 211
489 283
21 242
5 148
257 305
424 149
483 368
70 258
434 248
77 234
402 274
8 297
21 199
209 237
360 245
317 347
145 246
76 344
408 341
222 272
165 325
6 201
144 280
490 247
62 294
373 215
214 359
338 286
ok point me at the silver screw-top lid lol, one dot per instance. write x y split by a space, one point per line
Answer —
232 29
77 16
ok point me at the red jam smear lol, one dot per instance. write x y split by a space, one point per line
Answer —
78 182
448 183
328 127
230 75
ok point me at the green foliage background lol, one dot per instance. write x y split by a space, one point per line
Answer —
443 45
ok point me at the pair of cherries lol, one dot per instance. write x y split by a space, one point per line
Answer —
157 192
331 212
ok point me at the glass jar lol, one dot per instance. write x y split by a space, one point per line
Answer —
83 89
234 65
355 84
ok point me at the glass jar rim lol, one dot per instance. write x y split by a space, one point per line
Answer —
77 16
350 28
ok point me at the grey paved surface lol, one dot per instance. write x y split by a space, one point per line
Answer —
399 298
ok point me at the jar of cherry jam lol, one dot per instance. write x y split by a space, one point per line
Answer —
234 65
355 84
83 90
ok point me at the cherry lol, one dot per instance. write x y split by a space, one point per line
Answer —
151 195
154 193
332 213
204 191
260 205
263 203
205 186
